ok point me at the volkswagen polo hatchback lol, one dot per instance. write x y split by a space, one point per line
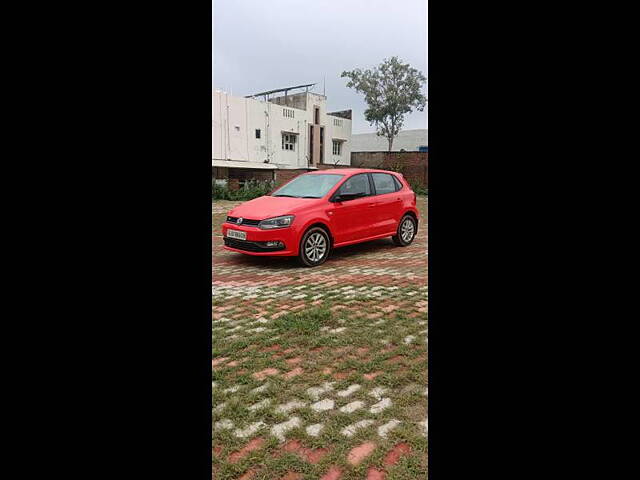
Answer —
321 210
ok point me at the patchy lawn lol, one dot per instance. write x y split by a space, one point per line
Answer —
320 373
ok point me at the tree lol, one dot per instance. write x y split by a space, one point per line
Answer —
391 90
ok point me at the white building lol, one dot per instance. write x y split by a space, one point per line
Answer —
254 136
407 140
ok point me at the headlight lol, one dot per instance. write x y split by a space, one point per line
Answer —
276 222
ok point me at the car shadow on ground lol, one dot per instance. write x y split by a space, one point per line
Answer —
337 255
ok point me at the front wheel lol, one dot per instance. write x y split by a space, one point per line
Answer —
406 231
314 247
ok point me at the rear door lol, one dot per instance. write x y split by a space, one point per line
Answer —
388 202
351 220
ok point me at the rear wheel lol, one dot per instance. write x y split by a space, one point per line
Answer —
407 229
314 247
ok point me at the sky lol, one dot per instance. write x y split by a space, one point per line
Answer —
262 45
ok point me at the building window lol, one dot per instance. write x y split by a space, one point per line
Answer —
288 141
257 133
286 112
337 147
337 122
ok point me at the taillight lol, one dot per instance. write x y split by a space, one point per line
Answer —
415 197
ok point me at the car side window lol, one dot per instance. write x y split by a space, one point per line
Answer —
384 183
356 184
397 182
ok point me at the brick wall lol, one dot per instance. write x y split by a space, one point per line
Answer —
283 176
413 165
328 166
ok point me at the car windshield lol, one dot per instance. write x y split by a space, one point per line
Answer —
308 186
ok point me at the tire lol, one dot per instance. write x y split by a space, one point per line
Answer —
407 229
314 247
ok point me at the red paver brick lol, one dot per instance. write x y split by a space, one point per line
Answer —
374 474
293 361
261 375
248 474
334 473
372 375
293 373
359 453
292 476
396 359
311 455
254 444
217 361
315 455
292 446
216 450
396 452
272 348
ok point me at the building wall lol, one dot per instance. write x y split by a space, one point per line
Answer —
235 120
339 129
409 140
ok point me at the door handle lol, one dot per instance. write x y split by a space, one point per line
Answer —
372 205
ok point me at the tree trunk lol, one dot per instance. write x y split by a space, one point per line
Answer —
390 140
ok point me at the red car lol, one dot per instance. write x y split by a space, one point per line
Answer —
321 210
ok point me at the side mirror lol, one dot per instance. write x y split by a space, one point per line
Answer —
343 197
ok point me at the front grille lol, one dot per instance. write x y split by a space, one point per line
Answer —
245 221
249 246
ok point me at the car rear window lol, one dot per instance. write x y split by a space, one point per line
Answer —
384 183
398 184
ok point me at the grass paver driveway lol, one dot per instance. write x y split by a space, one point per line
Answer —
320 373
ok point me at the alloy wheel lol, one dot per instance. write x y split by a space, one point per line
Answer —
407 230
315 247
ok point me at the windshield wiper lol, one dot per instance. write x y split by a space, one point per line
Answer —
292 196
309 196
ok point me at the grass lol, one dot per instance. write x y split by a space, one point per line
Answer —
301 331
306 322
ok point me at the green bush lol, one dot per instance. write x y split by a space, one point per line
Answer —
419 189
252 189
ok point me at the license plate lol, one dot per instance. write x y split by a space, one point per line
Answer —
237 234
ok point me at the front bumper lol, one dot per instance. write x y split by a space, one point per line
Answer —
253 245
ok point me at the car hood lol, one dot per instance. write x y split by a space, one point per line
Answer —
267 207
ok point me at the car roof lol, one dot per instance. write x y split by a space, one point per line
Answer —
348 171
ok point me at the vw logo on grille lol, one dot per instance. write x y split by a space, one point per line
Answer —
239 221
